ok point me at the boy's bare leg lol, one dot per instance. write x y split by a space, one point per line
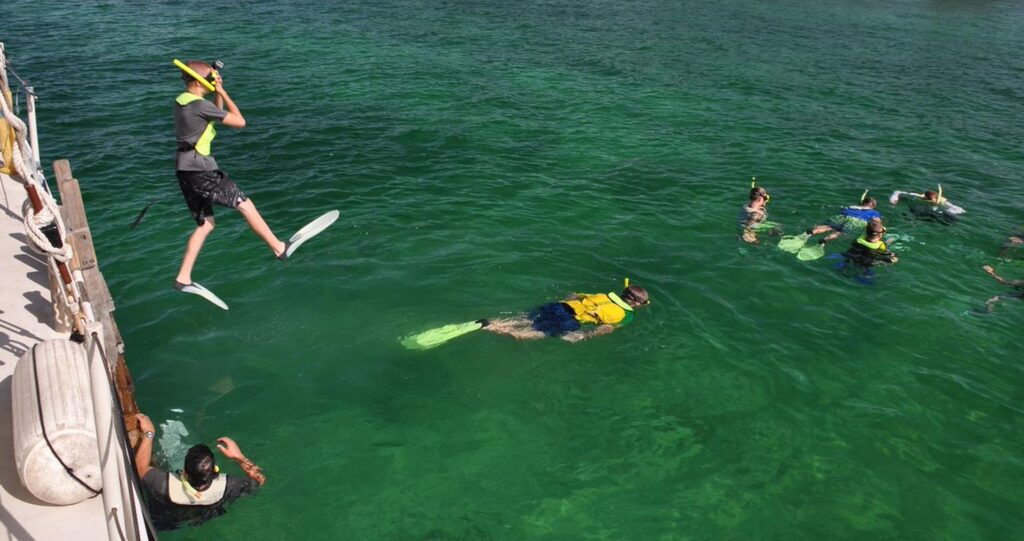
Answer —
519 328
195 244
259 226
831 237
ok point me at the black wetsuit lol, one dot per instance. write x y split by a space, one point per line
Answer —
168 515
867 257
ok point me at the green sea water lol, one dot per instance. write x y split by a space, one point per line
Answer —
487 157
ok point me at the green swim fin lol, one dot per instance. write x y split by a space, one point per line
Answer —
811 253
793 243
436 337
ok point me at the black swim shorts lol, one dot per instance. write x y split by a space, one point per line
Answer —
203 189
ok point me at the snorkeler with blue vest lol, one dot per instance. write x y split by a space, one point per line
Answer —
851 221
203 184
577 317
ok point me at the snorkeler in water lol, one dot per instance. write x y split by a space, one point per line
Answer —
753 217
1014 243
930 204
851 220
869 249
602 313
1017 285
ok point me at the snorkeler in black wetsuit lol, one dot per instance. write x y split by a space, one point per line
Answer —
1017 285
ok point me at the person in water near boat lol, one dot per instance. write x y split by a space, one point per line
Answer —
930 204
601 313
1017 285
1013 244
851 220
753 217
203 184
869 249
199 491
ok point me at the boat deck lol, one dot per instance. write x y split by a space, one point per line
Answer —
25 318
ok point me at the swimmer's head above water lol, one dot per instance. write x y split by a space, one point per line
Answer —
635 296
758 192
200 466
874 229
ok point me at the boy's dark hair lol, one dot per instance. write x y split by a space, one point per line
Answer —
636 294
869 202
758 191
199 466
931 195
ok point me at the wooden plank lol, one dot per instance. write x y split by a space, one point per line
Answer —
70 195
96 290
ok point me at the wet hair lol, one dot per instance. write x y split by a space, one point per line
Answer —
931 195
758 191
869 202
199 466
198 66
635 295
875 227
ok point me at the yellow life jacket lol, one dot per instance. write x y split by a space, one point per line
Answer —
202 146
878 245
181 493
599 308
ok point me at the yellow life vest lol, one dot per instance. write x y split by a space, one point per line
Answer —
181 493
202 146
878 245
599 308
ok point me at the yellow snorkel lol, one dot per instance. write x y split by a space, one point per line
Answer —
863 196
625 283
938 198
181 65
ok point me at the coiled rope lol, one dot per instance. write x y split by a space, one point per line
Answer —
21 157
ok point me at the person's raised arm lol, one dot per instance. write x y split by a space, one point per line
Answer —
234 119
991 272
144 454
229 448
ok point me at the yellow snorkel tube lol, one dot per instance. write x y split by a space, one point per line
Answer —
938 198
181 65
767 196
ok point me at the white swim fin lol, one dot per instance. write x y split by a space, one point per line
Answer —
196 288
307 232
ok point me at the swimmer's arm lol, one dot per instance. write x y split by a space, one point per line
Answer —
991 272
144 454
234 118
229 448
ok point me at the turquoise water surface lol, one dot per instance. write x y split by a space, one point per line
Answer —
487 157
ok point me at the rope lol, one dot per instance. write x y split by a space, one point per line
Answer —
46 438
21 158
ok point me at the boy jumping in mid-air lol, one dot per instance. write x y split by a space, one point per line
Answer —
202 183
